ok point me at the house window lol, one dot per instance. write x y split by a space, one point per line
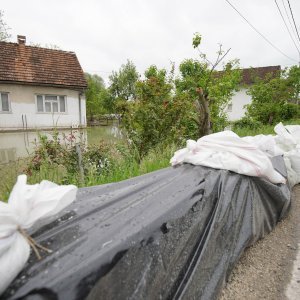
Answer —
4 102
229 107
50 104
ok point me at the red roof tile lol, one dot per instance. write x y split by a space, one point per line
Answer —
250 74
40 66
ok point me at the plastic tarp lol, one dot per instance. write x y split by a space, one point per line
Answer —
171 234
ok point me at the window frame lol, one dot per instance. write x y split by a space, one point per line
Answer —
51 101
231 106
9 104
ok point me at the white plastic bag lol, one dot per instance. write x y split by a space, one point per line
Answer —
265 143
226 150
294 130
294 157
26 205
284 139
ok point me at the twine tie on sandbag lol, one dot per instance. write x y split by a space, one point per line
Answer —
33 244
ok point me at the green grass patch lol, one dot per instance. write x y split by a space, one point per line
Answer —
261 129
121 167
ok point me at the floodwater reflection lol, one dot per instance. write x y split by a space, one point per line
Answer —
14 145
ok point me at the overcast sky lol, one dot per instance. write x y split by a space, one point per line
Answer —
105 33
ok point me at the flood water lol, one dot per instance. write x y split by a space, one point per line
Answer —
15 145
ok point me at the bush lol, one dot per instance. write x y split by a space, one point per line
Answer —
246 122
71 161
290 111
157 116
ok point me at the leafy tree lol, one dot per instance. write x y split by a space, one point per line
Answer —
294 83
96 96
271 97
208 89
122 84
4 34
156 116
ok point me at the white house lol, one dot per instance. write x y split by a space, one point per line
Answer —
40 88
236 109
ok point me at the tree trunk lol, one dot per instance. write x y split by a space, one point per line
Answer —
205 125
271 117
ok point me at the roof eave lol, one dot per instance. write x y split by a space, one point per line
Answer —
70 87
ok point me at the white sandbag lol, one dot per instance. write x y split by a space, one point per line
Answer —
288 139
284 139
265 143
293 177
226 150
294 130
26 205
294 157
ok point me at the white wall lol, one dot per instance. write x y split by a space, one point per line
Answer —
23 102
239 100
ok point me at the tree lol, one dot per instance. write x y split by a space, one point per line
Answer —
271 97
156 116
122 83
208 89
96 95
294 83
4 34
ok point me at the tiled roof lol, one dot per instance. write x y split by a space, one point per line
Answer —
40 66
249 75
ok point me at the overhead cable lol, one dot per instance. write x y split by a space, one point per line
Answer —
294 20
289 18
286 26
257 31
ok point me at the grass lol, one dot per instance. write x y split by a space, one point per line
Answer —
264 129
123 167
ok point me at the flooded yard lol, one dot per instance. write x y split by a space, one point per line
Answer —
16 145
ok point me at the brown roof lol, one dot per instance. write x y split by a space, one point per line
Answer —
249 75
40 66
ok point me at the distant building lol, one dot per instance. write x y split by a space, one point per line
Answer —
235 108
40 88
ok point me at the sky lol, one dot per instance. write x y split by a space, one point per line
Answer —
105 33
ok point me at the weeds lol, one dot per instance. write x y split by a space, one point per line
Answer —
56 159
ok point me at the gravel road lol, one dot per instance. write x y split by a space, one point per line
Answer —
265 269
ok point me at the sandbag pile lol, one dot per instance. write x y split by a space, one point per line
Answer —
249 155
286 142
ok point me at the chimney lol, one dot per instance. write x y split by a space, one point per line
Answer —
21 39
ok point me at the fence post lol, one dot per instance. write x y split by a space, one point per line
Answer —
81 172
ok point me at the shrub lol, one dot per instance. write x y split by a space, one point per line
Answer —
246 122
70 160
290 111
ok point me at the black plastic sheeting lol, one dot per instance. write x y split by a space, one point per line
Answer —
171 234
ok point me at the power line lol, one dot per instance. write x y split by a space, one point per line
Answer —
286 26
256 30
288 16
293 19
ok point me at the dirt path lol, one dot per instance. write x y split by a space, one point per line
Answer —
265 269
